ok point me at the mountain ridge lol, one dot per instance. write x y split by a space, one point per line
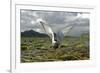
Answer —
32 33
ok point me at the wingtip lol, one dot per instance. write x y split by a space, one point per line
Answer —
39 20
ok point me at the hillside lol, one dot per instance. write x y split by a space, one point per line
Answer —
32 33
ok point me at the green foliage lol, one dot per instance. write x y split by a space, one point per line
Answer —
24 48
38 49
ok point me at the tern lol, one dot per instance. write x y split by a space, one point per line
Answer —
56 37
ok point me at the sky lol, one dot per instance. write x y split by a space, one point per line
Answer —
57 20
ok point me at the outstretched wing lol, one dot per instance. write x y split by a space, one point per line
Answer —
67 29
60 36
46 28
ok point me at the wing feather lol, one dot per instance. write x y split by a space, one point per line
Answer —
67 29
47 28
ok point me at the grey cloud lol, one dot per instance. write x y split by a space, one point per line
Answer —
56 20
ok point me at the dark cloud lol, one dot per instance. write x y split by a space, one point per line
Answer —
56 19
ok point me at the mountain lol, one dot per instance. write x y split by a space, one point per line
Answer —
32 33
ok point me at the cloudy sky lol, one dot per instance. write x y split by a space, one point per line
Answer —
56 20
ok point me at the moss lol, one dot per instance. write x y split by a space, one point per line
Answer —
38 50
24 48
